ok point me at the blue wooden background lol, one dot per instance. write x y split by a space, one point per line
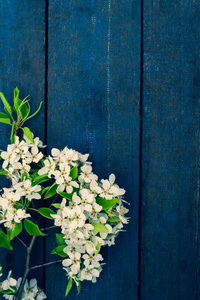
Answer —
120 80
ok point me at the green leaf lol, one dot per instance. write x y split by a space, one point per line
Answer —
4 118
33 176
56 205
24 176
4 240
43 190
16 102
51 191
46 212
12 135
73 173
98 248
40 179
23 110
100 227
7 107
66 195
32 228
60 239
3 172
12 233
7 292
69 286
36 111
106 204
78 285
59 251
114 220
28 134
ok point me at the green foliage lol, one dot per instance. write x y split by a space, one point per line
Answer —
12 135
51 191
60 239
4 118
73 173
59 251
78 285
32 228
9 292
56 205
24 176
114 219
12 233
7 107
41 178
46 212
100 227
3 172
106 204
66 195
69 287
4 240
28 134
16 101
21 109
98 248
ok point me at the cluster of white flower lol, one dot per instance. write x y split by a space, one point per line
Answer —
92 217
17 161
10 286
19 156
91 212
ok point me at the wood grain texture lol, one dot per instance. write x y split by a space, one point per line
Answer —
22 64
170 151
93 107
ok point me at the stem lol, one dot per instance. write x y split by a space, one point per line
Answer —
32 209
46 264
53 200
22 242
47 228
27 268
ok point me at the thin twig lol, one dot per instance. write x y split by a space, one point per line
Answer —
46 264
54 200
48 228
22 242
27 268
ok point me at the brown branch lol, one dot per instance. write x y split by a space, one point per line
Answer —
23 243
54 200
27 268
47 228
46 264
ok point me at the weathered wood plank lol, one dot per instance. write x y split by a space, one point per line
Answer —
22 64
170 152
93 106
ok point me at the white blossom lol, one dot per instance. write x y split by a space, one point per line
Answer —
122 211
87 175
75 216
73 262
9 156
9 283
49 167
89 272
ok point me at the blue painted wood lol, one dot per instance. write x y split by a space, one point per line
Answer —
170 151
22 64
93 106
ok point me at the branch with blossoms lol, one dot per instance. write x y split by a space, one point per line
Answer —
89 213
